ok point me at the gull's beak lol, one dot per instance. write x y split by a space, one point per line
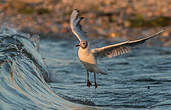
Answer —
77 45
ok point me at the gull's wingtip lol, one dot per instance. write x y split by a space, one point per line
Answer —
75 14
167 28
164 29
76 10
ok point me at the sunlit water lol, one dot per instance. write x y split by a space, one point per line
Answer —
139 79
23 76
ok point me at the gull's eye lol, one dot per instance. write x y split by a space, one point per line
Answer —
83 44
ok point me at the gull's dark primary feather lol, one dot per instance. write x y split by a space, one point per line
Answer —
120 48
75 25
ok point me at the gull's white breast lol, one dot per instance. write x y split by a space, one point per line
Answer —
87 58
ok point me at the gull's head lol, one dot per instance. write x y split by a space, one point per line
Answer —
83 44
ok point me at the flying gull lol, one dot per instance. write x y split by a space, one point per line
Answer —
89 56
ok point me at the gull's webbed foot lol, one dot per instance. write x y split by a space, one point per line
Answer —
95 84
89 83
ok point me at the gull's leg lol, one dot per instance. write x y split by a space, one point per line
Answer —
95 84
88 81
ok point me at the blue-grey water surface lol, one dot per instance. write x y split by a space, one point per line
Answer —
24 76
139 79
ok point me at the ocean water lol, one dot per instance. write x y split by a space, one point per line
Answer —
140 79
54 78
24 76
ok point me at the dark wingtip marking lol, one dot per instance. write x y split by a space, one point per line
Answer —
81 18
76 10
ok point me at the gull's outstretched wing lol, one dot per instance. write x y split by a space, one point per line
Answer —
120 48
75 25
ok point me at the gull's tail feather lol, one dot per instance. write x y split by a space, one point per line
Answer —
102 72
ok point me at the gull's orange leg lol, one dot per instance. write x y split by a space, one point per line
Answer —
95 84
